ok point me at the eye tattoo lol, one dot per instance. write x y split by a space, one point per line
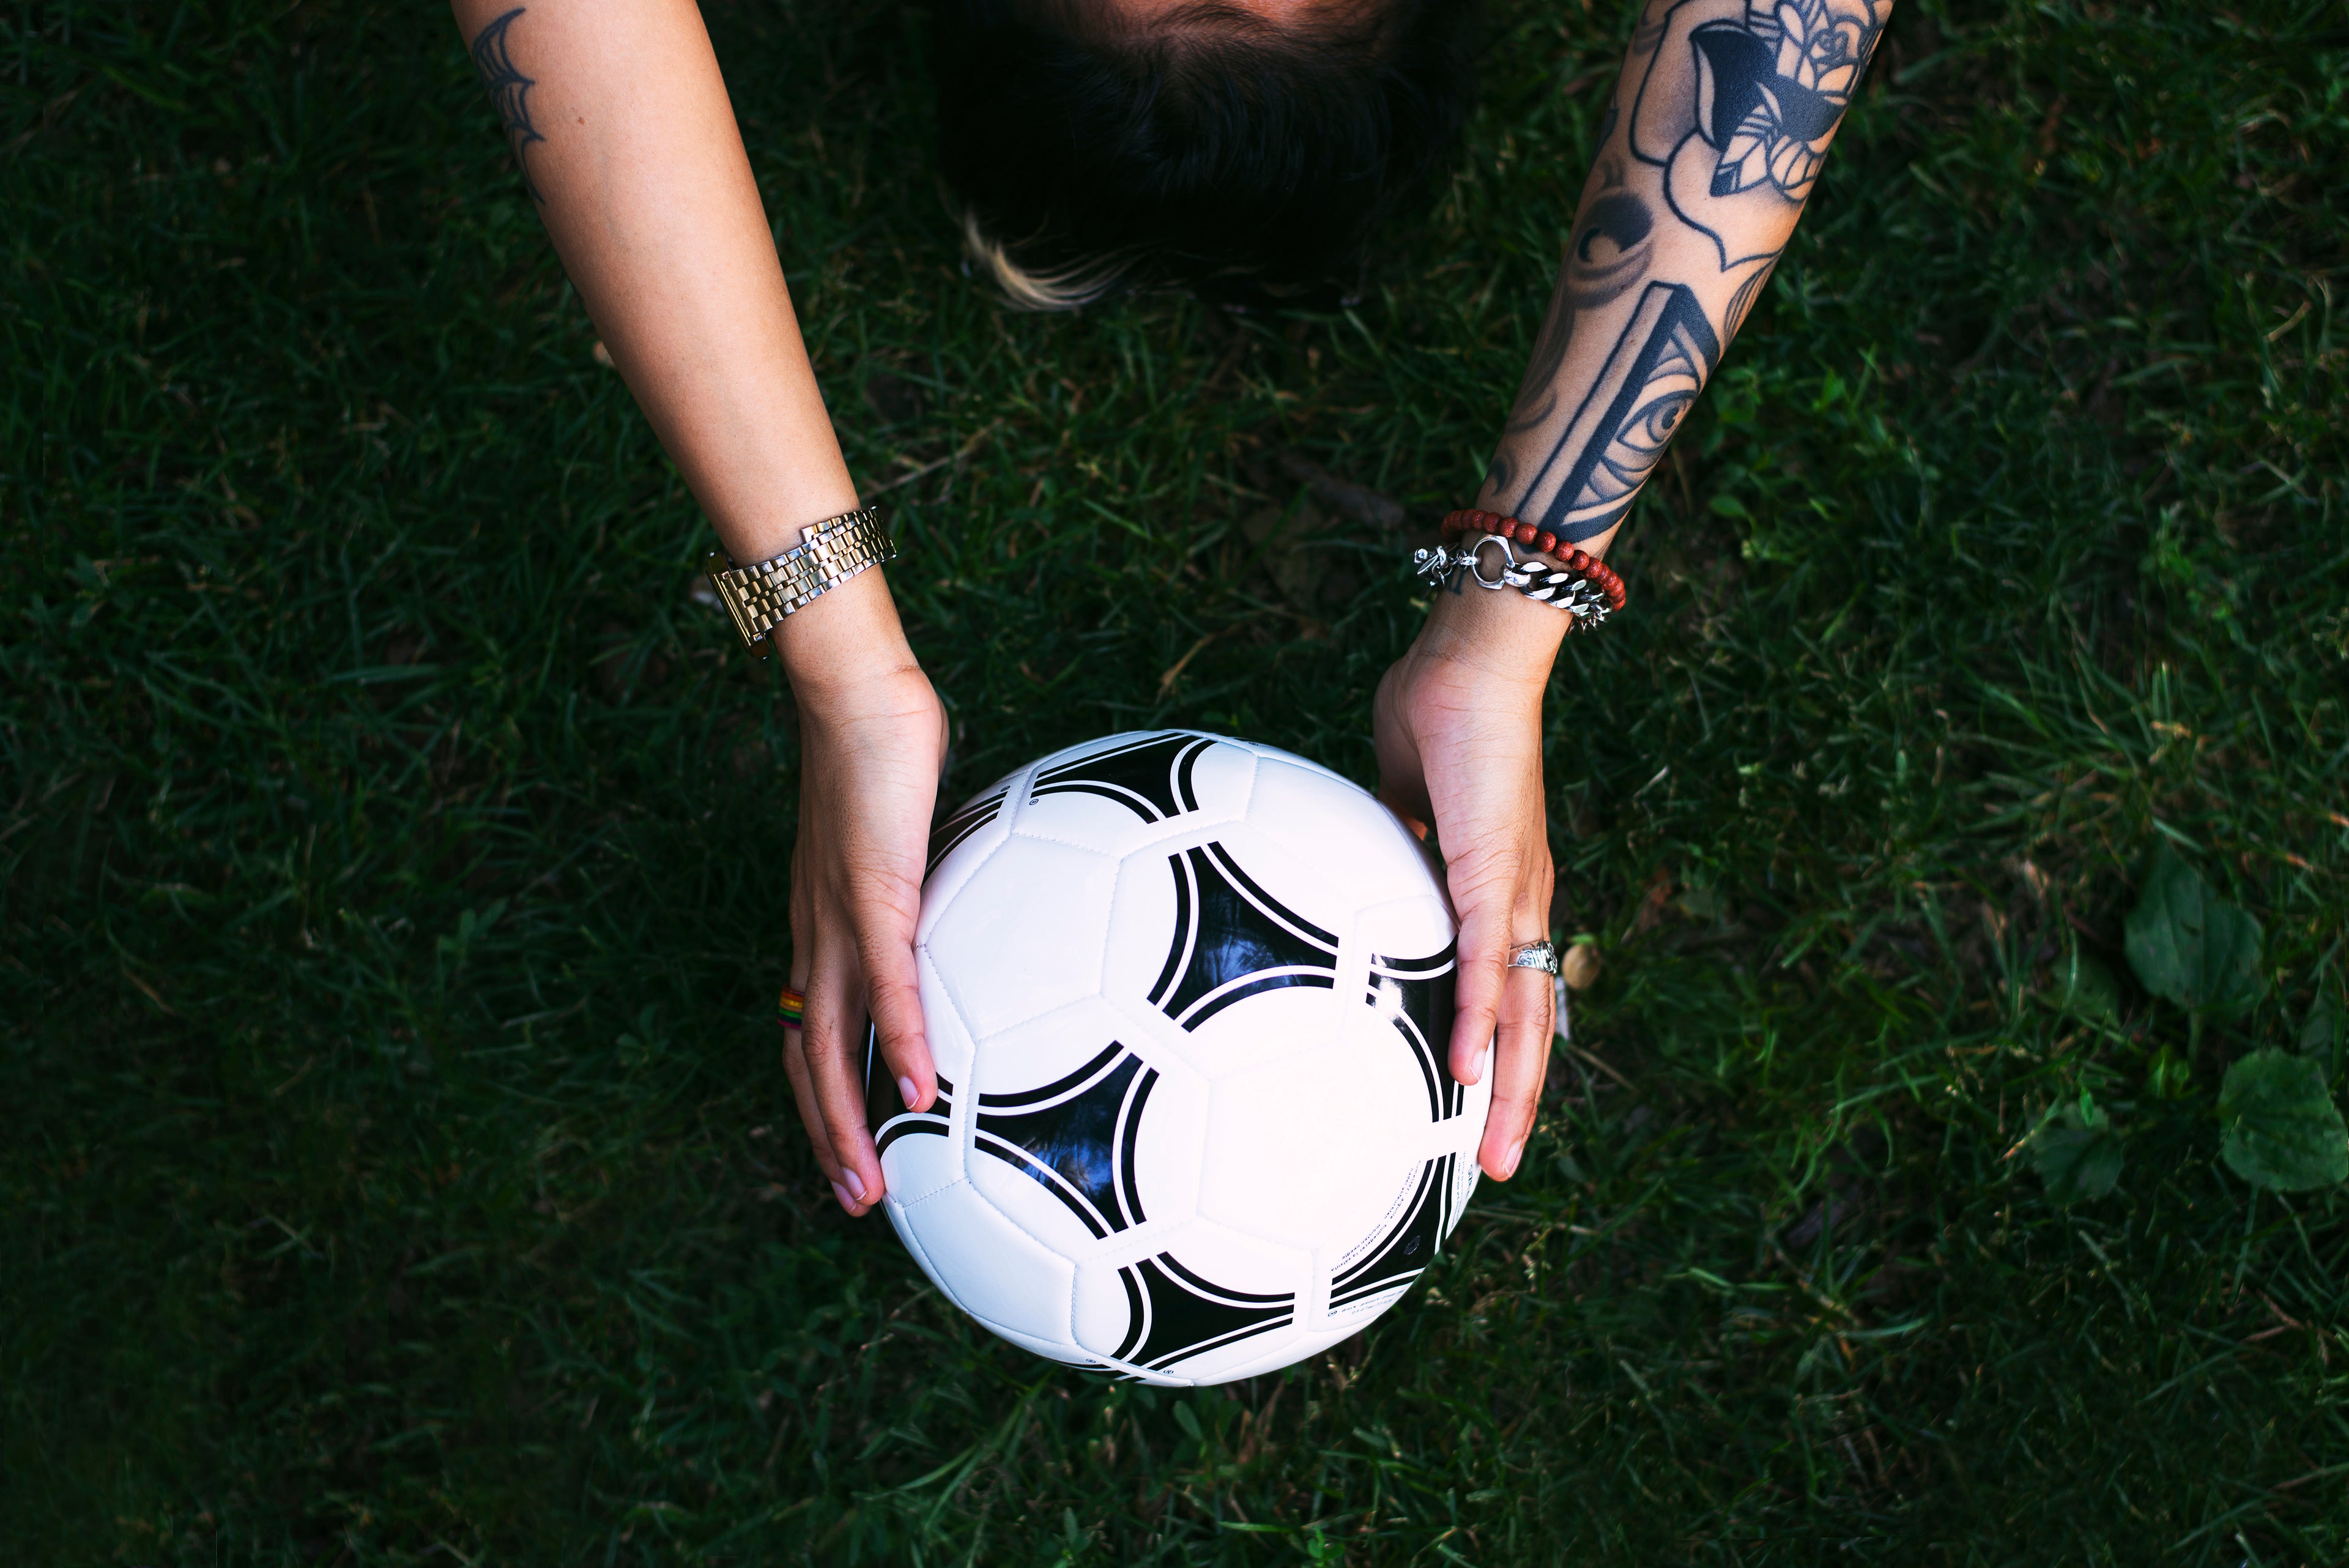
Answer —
1653 373
509 90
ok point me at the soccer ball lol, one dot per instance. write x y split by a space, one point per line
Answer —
1189 1000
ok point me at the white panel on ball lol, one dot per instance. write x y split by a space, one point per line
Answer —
953 1053
1084 822
1037 1053
1282 874
1407 928
1265 1026
959 846
1292 1348
1309 1180
1401 1191
919 1155
1347 836
1024 934
1147 921
1169 1147
991 1269
1275 753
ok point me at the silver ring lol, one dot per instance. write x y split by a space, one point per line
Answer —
1542 956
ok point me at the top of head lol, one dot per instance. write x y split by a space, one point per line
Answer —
1246 149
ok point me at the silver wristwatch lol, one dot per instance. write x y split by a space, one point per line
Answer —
829 553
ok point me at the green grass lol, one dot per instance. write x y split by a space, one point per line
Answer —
397 1165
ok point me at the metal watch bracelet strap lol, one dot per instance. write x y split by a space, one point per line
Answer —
758 597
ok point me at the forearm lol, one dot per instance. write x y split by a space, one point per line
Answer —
620 122
1712 142
1711 146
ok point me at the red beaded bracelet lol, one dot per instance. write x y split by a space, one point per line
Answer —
1581 563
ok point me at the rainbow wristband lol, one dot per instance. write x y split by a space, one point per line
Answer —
791 1009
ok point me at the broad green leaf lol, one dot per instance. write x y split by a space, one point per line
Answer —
2077 1152
2282 1130
2084 987
2188 944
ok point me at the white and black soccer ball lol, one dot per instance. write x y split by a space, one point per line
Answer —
1189 1000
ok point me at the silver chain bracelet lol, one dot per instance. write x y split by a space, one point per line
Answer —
1447 565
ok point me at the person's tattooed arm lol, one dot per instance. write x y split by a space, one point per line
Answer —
1718 126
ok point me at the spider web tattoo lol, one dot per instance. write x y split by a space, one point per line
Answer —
509 90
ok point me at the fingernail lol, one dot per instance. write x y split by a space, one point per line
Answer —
905 1087
855 1182
1510 1168
845 1200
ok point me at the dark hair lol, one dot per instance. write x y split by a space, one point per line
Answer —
1208 148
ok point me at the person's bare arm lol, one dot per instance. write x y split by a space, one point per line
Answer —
619 120
620 123
1713 141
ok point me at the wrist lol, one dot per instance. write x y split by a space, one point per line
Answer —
845 642
818 491
1511 637
1595 546
1501 635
